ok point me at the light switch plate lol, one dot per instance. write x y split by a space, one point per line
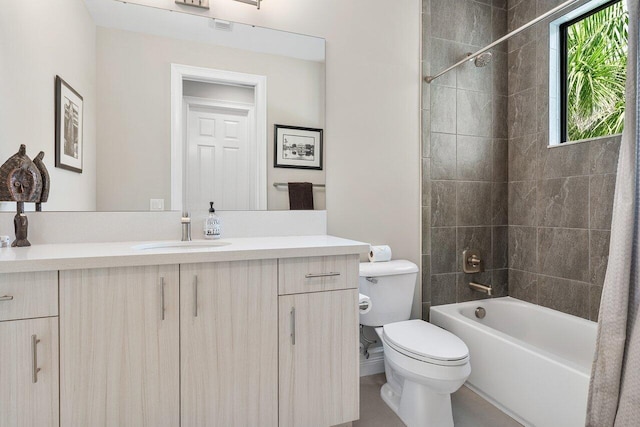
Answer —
203 4
156 204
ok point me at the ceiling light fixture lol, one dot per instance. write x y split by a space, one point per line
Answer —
252 2
203 4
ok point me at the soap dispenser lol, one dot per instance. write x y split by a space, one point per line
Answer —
212 225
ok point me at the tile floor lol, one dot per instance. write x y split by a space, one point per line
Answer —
469 409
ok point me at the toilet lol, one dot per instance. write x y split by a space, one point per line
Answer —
423 363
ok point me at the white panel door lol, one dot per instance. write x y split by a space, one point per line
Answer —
220 159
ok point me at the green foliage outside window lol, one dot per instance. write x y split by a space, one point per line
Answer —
596 71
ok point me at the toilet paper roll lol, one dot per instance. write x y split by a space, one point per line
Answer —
364 302
380 253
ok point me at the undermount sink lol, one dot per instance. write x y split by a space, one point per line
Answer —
198 244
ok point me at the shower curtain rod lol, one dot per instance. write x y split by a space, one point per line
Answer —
556 9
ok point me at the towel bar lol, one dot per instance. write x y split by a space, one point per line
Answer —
284 184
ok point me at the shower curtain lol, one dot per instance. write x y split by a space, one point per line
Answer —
614 391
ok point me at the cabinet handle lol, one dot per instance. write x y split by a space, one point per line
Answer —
162 295
293 326
195 296
6 298
34 359
314 275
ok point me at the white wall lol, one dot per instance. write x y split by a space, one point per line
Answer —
373 103
133 78
372 121
39 40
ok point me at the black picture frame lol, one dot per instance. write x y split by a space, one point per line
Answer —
284 156
69 127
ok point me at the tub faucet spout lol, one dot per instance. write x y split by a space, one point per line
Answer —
481 288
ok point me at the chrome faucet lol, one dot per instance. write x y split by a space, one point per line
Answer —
186 227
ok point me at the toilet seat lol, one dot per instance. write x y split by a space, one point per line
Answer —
426 342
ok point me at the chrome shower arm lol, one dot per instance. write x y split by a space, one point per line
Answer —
545 15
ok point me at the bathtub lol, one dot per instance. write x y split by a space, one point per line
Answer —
532 362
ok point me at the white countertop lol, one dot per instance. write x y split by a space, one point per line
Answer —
73 256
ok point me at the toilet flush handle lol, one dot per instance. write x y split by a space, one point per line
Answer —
372 280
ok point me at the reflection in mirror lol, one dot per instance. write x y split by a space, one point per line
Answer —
219 139
178 109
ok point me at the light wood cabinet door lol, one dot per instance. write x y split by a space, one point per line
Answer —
229 344
28 398
318 369
119 347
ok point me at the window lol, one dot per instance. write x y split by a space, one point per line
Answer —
593 60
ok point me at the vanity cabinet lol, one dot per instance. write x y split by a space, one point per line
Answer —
229 344
119 347
318 341
237 343
29 349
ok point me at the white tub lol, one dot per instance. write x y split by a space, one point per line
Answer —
531 362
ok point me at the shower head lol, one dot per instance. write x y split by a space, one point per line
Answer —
479 60
482 60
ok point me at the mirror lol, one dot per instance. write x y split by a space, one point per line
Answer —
172 109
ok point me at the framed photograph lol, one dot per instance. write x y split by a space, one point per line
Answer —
299 148
69 120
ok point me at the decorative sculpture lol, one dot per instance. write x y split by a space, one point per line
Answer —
46 182
21 227
22 180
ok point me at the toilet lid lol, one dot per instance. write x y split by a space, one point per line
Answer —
389 268
422 340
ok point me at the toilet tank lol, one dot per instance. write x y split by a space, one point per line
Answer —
390 285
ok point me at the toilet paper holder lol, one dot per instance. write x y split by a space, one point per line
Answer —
364 304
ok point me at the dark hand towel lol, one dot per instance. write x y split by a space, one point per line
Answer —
300 196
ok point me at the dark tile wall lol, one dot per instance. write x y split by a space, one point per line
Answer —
560 198
465 140
540 216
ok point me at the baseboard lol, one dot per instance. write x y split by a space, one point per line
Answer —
498 405
374 364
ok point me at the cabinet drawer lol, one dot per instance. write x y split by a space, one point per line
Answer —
315 274
28 295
